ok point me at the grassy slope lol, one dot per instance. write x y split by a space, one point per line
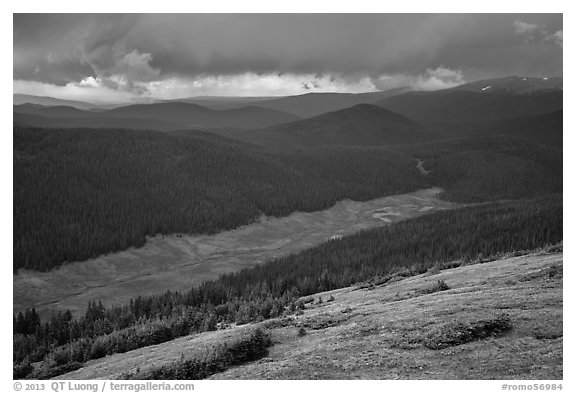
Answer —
377 332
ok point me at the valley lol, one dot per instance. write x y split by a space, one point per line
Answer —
174 262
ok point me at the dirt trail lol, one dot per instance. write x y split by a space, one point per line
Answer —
176 263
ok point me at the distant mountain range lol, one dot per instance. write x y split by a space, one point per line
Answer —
517 106
302 106
314 104
51 112
221 102
20 99
162 116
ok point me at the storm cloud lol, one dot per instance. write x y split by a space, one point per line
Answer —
162 53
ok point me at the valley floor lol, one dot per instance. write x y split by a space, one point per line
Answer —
177 263
385 331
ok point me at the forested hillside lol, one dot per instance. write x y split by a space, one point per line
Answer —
83 193
545 129
272 289
479 169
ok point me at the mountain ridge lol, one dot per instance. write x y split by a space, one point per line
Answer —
163 116
360 125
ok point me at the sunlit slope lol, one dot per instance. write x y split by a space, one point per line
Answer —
400 330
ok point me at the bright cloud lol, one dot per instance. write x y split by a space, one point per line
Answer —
90 81
251 84
118 88
524 27
86 90
557 38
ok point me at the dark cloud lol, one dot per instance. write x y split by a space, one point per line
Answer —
60 48
128 51
51 69
45 49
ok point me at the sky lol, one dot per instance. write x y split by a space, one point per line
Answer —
112 58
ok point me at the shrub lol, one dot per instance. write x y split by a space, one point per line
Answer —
440 285
51 372
278 323
247 348
98 349
61 356
462 333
